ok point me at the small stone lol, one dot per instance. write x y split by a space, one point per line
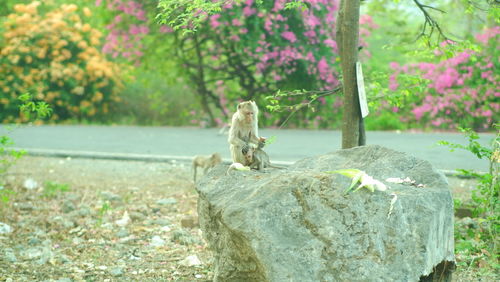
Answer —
45 256
109 196
167 201
192 260
122 233
32 253
27 206
84 211
68 207
189 222
137 216
156 241
62 222
5 228
116 271
30 184
9 255
33 241
63 259
183 237
161 221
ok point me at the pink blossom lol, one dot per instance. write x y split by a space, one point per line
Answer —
134 29
248 11
311 20
213 20
331 43
394 65
290 36
488 33
310 57
367 20
310 34
268 24
165 29
322 65
279 5
236 22
487 113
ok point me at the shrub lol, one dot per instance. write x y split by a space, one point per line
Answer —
55 57
463 88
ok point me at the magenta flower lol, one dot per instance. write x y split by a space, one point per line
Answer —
290 36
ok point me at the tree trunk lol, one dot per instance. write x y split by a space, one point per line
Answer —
201 87
348 40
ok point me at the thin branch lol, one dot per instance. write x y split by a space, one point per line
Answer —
297 107
433 8
429 20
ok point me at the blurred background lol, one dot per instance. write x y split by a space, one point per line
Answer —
120 62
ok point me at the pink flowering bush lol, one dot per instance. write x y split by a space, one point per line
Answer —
463 90
127 29
246 51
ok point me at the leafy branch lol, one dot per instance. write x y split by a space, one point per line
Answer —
188 15
30 107
312 96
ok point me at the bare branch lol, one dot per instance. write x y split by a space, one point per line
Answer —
430 21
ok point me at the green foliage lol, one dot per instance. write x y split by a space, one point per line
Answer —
149 100
187 15
473 145
33 111
5 194
52 51
29 107
52 189
384 121
477 240
486 195
103 210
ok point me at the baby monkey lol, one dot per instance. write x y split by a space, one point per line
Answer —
205 162
256 158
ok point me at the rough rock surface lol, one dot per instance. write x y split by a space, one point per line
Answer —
296 224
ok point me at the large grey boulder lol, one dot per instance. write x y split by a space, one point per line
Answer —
296 224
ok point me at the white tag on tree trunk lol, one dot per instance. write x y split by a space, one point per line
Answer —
363 104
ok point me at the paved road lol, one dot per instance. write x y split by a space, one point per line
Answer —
289 145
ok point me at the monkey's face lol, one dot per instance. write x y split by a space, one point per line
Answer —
249 157
246 110
249 115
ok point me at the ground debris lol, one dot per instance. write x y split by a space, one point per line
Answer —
120 220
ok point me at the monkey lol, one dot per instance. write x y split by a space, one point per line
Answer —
243 132
205 162
248 155
258 158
